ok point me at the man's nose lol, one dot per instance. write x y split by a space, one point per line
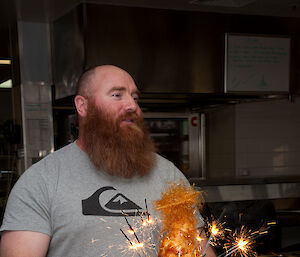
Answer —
131 104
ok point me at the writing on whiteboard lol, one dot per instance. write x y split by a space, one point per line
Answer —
256 63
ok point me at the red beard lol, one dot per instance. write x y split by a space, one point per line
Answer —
117 151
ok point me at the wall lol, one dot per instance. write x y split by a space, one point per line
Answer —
268 139
254 140
221 143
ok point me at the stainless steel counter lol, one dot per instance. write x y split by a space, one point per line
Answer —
224 193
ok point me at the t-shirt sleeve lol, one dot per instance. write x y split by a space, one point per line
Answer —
28 206
178 176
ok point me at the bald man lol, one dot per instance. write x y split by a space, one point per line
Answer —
73 202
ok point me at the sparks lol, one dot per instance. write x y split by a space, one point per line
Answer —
214 230
131 230
199 239
147 222
242 243
136 246
94 240
182 237
126 237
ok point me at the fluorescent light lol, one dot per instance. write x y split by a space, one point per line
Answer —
5 61
6 84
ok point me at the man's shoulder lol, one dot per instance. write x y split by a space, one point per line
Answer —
163 162
163 165
50 161
63 153
165 171
67 149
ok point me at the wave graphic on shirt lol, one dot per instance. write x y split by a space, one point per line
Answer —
118 205
121 202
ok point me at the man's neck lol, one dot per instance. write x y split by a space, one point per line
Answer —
80 144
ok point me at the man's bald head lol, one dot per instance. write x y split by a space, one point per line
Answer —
85 81
85 85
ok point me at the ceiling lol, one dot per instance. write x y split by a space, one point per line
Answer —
49 10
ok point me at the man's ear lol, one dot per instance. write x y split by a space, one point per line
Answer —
81 104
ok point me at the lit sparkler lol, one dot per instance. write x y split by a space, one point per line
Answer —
126 237
216 231
243 241
131 231
180 236
147 221
148 214
140 235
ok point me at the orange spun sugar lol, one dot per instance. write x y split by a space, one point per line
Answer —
177 211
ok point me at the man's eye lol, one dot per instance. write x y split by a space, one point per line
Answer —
116 95
135 98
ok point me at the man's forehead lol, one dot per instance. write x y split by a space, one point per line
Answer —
108 78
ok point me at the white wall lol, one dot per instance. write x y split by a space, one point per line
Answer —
257 140
268 139
220 142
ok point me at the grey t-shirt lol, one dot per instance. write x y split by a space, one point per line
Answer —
83 210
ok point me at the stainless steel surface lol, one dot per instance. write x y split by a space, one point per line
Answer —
202 145
189 139
250 192
159 48
36 80
68 52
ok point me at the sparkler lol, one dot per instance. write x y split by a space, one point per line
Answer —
140 214
243 241
180 236
216 230
126 237
148 214
133 245
148 220
132 230
139 234
198 240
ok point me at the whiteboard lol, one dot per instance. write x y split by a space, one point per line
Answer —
255 63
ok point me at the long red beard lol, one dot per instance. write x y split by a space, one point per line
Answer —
118 151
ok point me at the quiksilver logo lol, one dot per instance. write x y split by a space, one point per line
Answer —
118 205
